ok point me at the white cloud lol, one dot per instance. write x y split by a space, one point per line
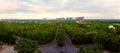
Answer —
49 15
40 8
7 6
57 8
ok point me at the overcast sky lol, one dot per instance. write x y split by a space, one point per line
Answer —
24 9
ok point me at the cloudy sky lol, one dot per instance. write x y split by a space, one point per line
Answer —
25 9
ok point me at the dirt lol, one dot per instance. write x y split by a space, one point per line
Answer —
53 48
7 49
106 51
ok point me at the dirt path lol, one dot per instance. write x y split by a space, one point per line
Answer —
68 46
49 48
53 48
8 49
105 51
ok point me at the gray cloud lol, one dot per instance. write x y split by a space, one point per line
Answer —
103 7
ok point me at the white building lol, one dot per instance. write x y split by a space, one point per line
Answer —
69 18
111 27
61 18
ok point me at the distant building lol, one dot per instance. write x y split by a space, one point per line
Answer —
79 18
111 27
62 18
21 20
69 18
44 18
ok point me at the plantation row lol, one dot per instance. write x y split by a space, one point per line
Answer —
41 32
60 37
29 33
27 47
95 49
95 32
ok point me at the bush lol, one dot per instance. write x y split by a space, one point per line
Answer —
40 32
25 47
1 43
60 36
96 49
38 51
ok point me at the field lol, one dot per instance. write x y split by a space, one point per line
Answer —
27 37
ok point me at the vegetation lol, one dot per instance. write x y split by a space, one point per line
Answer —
95 32
95 49
37 51
41 32
5 33
60 36
26 47
1 43
44 32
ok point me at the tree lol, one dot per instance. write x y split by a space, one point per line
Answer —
25 47
38 51
1 43
96 49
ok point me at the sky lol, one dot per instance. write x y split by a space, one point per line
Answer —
38 9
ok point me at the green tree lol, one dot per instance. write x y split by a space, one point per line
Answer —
1 43
96 49
25 47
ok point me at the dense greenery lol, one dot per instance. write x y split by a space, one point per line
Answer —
5 33
1 43
37 51
42 32
96 49
95 32
60 35
26 47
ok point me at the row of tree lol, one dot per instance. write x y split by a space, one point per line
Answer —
96 49
23 46
95 32
60 37
42 32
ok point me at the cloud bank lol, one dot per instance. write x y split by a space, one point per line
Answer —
22 9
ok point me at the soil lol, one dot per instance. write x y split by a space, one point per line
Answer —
7 49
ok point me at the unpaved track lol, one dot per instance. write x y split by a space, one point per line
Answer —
8 49
53 48
68 46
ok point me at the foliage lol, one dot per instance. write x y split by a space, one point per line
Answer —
95 32
5 33
1 43
42 32
60 36
25 47
38 51
95 49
